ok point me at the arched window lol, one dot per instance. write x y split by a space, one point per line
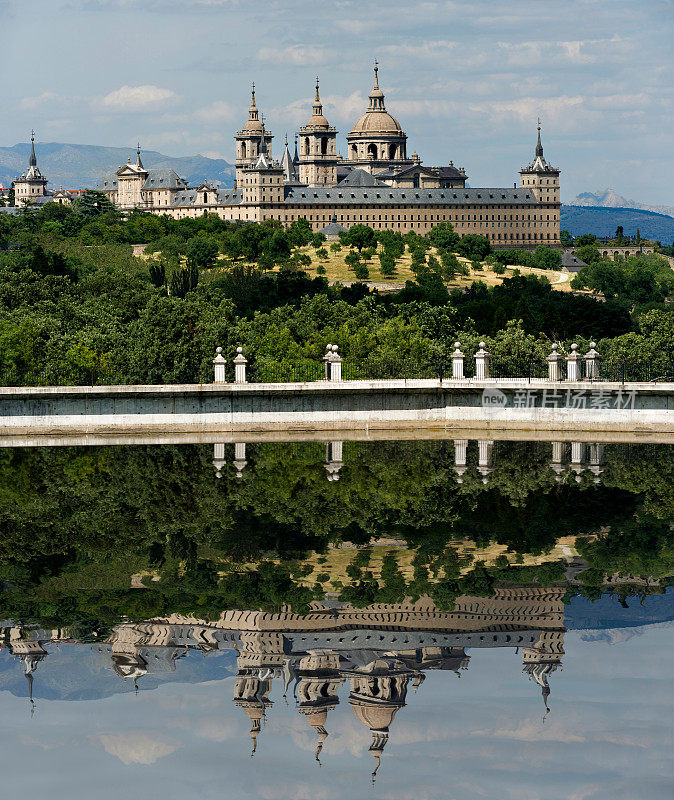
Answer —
372 150
392 152
415 180
354 151
306 145
205 197
324 146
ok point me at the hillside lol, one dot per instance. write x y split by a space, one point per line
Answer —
82 165
604 221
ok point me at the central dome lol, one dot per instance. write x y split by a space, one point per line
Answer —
377 122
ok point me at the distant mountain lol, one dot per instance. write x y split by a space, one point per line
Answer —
604 221
610 199
76 166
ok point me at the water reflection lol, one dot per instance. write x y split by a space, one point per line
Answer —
337 586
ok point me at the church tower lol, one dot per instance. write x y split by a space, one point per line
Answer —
32 184
248 147
542 178
318 149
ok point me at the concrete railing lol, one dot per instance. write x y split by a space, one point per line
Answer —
570 368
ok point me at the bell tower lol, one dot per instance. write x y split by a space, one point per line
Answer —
248 139
318 148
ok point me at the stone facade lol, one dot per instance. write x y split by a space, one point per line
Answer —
376 184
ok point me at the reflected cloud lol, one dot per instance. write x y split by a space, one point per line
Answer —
137 747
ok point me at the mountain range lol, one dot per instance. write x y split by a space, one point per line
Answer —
76 166
611 199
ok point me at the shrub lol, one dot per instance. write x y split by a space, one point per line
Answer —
335 247
320 270
499 269
361 272
322 253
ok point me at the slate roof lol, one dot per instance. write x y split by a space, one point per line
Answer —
225 197
359 177
374 195
385 195
333 229
163 179
156 179
571 262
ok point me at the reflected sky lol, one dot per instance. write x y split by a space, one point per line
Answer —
607 735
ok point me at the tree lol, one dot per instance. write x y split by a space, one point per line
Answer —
361 272
93 204
588 253
358 236
443 236
201 252
322 253
450 264
387 264
474 246
585 239
619 237
566 239
352 260
335 247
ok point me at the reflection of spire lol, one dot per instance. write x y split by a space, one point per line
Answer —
379 739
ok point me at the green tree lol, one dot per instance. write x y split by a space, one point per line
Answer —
443 236
358 236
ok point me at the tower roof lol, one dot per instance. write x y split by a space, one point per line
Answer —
317 120
376 119
253 123
539 164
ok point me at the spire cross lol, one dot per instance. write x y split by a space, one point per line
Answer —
32 135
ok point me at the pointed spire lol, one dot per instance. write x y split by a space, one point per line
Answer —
296 157
287 164
139 163
539 146
376 95
32 161
263 140
252 111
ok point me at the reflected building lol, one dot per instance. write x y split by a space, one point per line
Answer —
378 652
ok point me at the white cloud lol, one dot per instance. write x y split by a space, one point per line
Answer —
136 747
146 97
219 111
39 101
297 55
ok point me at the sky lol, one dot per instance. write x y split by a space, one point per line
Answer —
608 735
466 78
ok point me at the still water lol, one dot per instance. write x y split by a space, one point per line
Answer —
437 619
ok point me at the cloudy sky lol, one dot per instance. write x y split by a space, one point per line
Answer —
608 735
467 78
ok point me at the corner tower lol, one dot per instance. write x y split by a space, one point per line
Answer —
32 184
318 149
542 178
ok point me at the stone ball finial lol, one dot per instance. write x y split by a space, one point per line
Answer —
457 345
239 350
483 345
218 350
329 347
574 347
335 348
592 345
555 347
